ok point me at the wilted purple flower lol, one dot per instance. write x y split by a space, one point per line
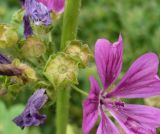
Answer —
140 81
6 68
37 12
4 60
31 115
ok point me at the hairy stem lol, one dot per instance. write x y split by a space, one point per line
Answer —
70 21
69 32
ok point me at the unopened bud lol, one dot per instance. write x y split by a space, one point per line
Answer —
9 70
61 70
33 47
28 72
4 59
8 36
79 52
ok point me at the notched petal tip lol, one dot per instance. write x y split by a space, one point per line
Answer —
108 57
120 38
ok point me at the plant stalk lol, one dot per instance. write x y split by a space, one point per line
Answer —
69 32
70 21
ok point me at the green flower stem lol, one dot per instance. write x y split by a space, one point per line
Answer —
69 32
70 21
79 90
62 110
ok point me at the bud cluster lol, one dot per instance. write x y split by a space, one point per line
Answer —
62 69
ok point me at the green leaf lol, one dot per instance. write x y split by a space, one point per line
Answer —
7 126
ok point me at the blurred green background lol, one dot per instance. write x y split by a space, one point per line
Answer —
137 20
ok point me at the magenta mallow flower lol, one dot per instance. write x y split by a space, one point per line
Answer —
38 11
140 81
31 116
57 6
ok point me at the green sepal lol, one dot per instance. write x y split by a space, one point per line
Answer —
28 73
8 36
33 47
61 70
6 124
79 52
17 17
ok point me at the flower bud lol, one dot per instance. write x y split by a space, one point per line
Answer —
61 70
28 74
79 52
33 47
6 68
9 70
8 36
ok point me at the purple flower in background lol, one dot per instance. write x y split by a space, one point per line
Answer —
6 68
57 6
140 81
31 115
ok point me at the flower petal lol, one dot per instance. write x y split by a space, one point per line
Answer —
38 99
141 80
106 126
30 116
139 119
55 5
58 6
22 2
27 26
4 60
90 107
108 58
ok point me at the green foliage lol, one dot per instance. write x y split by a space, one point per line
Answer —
6 124
137 20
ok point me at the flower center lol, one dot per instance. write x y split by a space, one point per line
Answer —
62 69
105 102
